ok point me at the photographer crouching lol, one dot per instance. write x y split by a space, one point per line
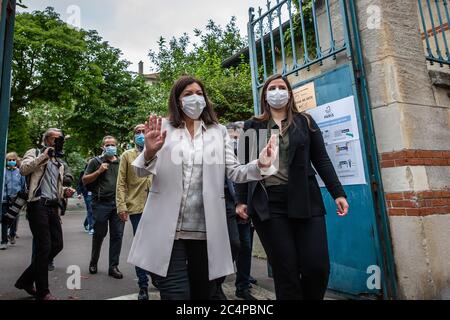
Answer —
49 179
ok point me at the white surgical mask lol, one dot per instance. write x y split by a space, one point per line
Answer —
193 106
277 99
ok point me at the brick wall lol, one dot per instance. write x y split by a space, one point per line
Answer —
418 203
421 203
415 158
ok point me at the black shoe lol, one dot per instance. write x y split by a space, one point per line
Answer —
219 294
28 289
245 294
48 296
253 280
155 283
51 266
115 273
143 294
93 268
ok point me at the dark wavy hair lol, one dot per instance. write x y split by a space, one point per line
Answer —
208 115
291 107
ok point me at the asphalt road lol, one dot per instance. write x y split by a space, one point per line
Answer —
77 248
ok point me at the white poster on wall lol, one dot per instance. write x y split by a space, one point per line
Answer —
338 123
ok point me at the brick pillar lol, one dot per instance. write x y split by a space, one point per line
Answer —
413 140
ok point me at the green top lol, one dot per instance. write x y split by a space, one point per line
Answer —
281 178
105 185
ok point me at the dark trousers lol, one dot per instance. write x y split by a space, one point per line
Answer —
298 253
4 224
105 212
141 273
244 259
233 230
233 233
12 227
45 225
187 276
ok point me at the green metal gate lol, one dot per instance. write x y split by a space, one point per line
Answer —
299 39
7 18
435 20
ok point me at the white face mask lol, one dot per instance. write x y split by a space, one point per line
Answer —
277 99
193 106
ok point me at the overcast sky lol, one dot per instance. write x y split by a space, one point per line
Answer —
134 26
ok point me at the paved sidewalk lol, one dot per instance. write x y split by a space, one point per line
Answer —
77 248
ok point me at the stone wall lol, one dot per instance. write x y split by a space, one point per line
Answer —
410 101
412 127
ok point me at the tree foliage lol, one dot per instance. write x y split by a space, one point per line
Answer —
75 80
229 89
71 79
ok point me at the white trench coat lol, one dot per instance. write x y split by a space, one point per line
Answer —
152 246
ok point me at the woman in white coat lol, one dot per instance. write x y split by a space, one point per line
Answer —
182 238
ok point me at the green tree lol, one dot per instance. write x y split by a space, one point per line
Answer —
229 89
71 79
18 133
47 56
107 97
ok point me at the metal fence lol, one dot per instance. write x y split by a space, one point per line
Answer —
285 37
435 19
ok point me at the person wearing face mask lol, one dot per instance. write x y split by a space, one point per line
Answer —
182 237
100 178
49 179
131 196
287 208
14 183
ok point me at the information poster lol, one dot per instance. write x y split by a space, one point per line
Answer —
339 126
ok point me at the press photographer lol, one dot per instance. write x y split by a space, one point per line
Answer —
49 179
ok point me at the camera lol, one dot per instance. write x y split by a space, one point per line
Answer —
57 152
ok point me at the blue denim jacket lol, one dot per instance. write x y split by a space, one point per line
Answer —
14 182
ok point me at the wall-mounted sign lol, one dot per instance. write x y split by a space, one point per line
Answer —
305 97
338 123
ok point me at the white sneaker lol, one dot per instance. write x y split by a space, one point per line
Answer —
91 232
3 246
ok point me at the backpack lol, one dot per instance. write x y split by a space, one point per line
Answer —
92 187
19 202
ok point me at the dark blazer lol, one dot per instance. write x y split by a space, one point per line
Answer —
304 199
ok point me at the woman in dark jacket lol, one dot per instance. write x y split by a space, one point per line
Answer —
287 209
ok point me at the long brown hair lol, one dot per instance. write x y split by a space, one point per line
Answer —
208 115
291 108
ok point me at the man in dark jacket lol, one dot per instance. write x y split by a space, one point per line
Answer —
101 178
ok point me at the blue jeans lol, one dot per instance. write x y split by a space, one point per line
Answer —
89 221
244 259
141 273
